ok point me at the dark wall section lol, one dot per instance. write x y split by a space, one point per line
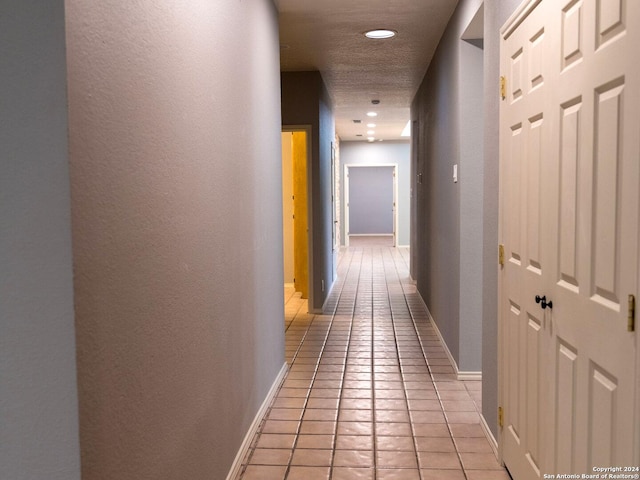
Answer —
306 102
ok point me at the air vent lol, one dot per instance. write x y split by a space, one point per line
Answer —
357 121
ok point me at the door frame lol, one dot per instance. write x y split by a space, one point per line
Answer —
394 166
308 130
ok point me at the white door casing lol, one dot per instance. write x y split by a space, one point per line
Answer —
348 194
569 148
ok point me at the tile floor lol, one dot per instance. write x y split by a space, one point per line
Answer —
370 393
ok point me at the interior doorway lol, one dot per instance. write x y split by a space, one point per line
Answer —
295 209
370 201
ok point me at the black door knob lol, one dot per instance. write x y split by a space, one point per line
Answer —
543 302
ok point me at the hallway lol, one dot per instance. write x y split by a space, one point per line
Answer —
370 393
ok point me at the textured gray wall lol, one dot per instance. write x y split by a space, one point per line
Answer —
175 148
470 183
38 394
398 152
445 212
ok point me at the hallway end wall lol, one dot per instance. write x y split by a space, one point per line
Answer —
38 392
174 114
306 102
398 152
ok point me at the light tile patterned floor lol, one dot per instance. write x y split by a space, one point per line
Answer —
370 393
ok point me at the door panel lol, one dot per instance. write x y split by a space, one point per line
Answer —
569 211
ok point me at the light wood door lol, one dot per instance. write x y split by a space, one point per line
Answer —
569 224
300 214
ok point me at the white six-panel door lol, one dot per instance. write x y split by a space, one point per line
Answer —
569 167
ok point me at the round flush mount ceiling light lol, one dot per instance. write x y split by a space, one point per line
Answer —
380 33
372 114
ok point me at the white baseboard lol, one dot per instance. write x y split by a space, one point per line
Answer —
324 304
461 375
236 467
489 434
371 234
468 376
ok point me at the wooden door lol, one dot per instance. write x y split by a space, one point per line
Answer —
569 224
300 214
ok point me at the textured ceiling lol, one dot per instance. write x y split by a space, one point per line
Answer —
327 35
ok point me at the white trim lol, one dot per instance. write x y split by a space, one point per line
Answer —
324 305
469 376
460 375
236 466
490 438
371 234
519 16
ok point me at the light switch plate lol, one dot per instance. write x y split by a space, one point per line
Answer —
455 173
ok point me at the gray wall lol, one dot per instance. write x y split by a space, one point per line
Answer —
470 184
175 156
370 200
38 394
306 102
356 153
441 250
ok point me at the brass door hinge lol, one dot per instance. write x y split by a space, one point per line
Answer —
631 314
500 417
503 87
501 255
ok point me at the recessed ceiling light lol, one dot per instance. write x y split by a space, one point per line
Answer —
372 114
371 125
371 139
380 33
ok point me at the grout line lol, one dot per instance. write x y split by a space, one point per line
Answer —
344 371
372 286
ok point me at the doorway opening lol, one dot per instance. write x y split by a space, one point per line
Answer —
370 199
295 209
